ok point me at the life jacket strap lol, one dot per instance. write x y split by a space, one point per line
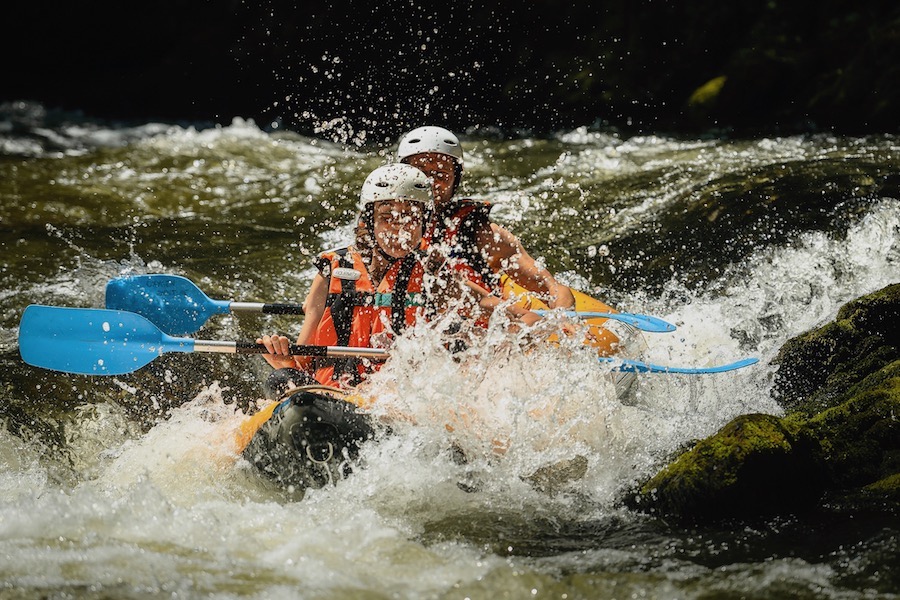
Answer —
401 286
342 306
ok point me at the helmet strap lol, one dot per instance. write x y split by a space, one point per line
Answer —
390 259
457 178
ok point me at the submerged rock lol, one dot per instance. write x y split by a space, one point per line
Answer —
840 387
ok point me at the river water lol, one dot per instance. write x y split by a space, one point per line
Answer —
129 487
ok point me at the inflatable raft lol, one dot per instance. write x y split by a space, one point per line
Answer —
308 439
312 436
608 337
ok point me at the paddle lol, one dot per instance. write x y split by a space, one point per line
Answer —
96 341
635 366
642 322
176 305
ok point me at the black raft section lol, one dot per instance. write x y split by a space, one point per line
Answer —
311 440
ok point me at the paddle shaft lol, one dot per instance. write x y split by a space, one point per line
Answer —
91 341
227 347
642 322
268 309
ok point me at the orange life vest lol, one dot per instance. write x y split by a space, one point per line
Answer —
455 230
357 310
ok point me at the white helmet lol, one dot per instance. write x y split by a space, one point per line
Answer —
396 182
430 139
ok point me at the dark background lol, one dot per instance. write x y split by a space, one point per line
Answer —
533 66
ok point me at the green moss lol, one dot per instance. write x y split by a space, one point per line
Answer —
874 314
820 366
889 486
753 464
708 92
841 383
857 437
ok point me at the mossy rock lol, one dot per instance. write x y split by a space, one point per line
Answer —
859 440
820 366
888 488
841 435
753 465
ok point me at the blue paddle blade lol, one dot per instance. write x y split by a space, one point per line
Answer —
171 302
635 366
92 341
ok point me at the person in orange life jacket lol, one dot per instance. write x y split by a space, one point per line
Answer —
364 292
367 292
461 229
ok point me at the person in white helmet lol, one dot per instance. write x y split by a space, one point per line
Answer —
460 229
365 293
371 288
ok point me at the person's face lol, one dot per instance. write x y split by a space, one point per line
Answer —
398 226
442 171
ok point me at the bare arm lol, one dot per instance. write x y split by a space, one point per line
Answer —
314 308
505 252
490 302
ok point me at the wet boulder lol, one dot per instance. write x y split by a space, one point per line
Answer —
817 368
753 465
839 438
